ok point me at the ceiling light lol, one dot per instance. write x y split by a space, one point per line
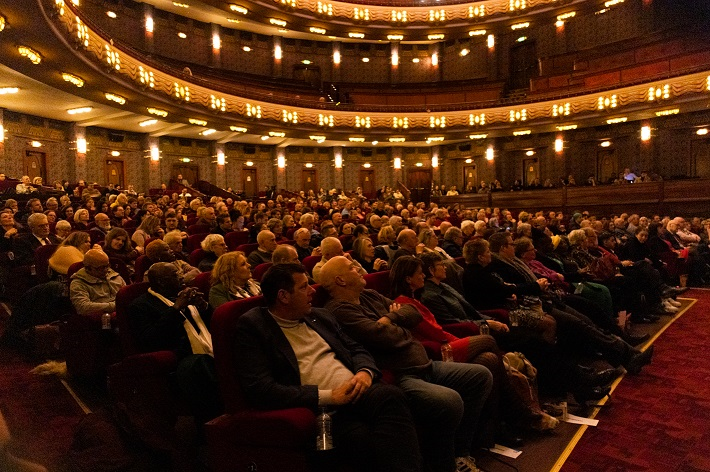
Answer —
314 29
246 49
182 35
522 132
35 144
277 134
283 30
3 22
478 136
365 59
148 122
366 165
479 32
238 9
605 144
395 37
207 132
530 153
197 122
566 127
76 111
233 20
434 139
357 140
468 161
566 16
415 60
318 139
419 164
673 111
464 52
277 22
111 14
518 26
238 129
356 35
521 39
397 140
181 5
115 153
375 143
309 165
185 159
158 112
264 138
305 61
30 54
115 98
433 37
249 163
613 121
702 132
8 90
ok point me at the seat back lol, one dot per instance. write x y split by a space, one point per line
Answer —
193 241
202 282
321 297
42 255
379 282
234 239
247 248
258 272
309 262
119 266
196 256
198 229
223 328
74 268
124 298
141 266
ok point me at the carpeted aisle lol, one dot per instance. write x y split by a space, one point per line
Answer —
660 420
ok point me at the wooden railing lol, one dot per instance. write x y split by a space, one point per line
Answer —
675 197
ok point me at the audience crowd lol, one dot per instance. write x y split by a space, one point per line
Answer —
556 288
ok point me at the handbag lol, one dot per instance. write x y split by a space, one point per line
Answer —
523 378
528 313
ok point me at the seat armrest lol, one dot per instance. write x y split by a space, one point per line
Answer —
288 428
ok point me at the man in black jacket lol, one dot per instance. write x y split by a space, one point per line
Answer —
291 355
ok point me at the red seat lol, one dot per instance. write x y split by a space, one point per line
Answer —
141 265
42 255
198 229
243 437
236 238
290 231
202 282
379 282
258 272
196 256
247 248
309 262
193 241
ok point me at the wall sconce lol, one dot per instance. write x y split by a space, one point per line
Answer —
489 153
2 134
645 133
338 159
367 165
398 163
249 163
81 145
220 158
149 24
154 154
559 144
281 162
491 41
434 161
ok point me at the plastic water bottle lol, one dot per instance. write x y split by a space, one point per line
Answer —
483 328
447 354
106 321
324 441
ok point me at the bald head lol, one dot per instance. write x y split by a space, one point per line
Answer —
285 254
332 271
408 239
331 247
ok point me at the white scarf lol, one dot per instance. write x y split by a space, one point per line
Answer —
201 343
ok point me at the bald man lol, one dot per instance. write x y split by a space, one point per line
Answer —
332 247
408 245
267 245
285 254
94 287
446 398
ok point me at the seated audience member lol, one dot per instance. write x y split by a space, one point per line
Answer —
103 226
9 228
25 244
407 279
159 251
118 245
214 246
169 319
71 250
364 254
207 217
346 236
25 186
361 231
446 398
62 229
408 245
175 240
231 279
453 242
148 229
276 226
372 427
330 247
302 238
33 205
387 239
93 288
267 243
224 224
285 254
174 223
81 219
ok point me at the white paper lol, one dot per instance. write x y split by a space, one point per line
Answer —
505 451
572 419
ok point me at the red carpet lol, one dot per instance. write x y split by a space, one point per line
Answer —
659 420
39 411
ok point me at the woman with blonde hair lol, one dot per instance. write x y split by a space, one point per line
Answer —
71 250
231 279
81 219
147 229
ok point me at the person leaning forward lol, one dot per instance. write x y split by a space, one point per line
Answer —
292 355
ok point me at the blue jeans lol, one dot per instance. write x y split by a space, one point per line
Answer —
447 401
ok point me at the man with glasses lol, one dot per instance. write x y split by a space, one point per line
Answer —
453 242
94 287
26 244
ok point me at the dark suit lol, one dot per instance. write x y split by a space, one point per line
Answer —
24 247
377 431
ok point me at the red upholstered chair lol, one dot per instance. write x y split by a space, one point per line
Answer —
193 241
119 266
244 438
42 255
321 297
236 238
290 231
196 256
143 379
460 261
247 248
198 229
141 266
258 272
202 282
309 262
379 282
